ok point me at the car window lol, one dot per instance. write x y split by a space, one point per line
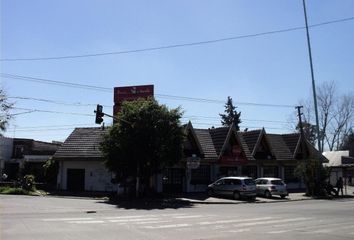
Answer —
219 182
277 182
236 181
249 182
228 182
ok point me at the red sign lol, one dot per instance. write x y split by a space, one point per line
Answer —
131 93
235 157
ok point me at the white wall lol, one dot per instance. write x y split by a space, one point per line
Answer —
97 178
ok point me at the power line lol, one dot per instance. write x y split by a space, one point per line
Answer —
78 104
57 112
163 96
177 45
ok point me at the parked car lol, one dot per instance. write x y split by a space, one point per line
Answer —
236 187
269 187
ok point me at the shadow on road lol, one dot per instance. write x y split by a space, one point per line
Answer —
148 203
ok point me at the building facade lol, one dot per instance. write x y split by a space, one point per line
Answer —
208 155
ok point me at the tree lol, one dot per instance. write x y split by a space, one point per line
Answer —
5 108
309 131
146 138
231 116
336 115
348 141
314 175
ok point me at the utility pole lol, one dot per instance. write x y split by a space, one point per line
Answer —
313 81
299 113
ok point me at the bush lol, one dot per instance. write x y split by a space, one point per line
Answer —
15 191
28 183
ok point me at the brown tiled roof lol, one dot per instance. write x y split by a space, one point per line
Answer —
291 141
83 143
244 146
206 143
218 135
279 147
251 138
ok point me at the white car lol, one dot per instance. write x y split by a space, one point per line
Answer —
269 187
236 187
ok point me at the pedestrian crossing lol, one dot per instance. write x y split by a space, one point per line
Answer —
220 224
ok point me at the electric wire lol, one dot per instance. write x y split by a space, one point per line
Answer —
163 96
178 45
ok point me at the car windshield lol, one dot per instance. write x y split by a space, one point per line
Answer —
277 182
249 182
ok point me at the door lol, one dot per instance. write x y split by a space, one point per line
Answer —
76 180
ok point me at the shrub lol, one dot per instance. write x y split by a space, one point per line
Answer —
28 183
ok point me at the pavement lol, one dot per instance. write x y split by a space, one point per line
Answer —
202 198
188 199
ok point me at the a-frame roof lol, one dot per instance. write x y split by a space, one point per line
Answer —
189 127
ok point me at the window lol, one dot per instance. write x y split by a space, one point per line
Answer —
289 174
200 175
249 171
270 171
18 151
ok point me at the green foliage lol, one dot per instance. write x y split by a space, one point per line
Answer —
28 183
5 107
314 176
231 116
146 138
309 132
14 191
51 169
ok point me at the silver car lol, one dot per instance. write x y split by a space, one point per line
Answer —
269 187
236 187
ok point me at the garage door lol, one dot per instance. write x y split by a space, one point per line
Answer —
76 179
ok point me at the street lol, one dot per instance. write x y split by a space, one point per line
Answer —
25 217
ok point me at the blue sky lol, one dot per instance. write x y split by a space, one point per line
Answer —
268 69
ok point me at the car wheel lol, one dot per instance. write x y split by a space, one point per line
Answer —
267 194
237 195
283 196
210 192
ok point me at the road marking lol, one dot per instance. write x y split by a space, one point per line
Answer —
239 230
278 232
191 216
151 222
271 222
234 221
65 219
142 216
133 220
169 226
85 222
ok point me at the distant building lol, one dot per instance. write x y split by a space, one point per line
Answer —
209 154
341 164
25 156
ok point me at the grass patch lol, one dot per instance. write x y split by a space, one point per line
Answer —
20 191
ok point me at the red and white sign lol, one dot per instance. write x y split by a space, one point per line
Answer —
131 93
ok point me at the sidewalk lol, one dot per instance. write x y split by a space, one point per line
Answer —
202 198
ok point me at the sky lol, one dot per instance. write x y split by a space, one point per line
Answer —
265 73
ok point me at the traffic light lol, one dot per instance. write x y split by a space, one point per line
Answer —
99 114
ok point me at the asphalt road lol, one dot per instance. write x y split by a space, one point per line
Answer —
25 217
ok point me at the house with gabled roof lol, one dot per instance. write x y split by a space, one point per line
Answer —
208 155
81 166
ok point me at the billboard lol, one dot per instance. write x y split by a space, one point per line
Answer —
130 93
